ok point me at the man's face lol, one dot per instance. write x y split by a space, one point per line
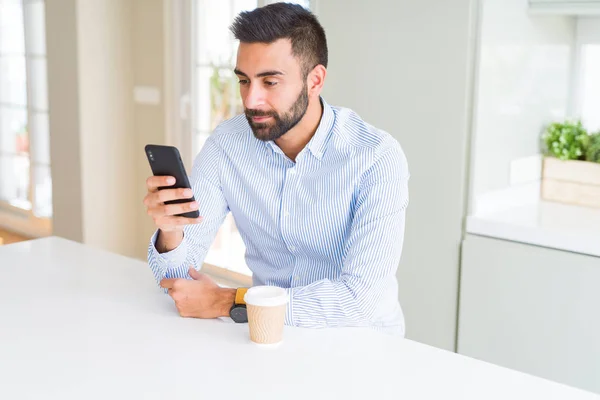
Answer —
272 86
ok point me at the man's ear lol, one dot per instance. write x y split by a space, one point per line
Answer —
316 80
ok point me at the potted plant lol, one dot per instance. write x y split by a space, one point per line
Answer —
593 151
571 169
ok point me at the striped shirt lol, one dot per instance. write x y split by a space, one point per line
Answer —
328 227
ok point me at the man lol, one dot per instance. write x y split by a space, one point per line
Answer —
318 195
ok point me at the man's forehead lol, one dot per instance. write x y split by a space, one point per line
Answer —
276 55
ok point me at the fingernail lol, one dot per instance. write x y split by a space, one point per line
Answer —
194 205
170 180
187 192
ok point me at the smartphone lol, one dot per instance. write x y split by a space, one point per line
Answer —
166 161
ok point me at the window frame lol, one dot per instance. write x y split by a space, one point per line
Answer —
14 218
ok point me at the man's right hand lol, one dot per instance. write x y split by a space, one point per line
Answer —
164 215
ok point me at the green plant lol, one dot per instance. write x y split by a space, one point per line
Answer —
593 151
225 100
566 141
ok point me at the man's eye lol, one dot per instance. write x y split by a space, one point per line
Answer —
243 82
269 83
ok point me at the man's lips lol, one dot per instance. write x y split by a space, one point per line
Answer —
260 119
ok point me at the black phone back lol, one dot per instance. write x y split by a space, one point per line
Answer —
166 161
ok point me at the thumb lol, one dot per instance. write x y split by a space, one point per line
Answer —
195 275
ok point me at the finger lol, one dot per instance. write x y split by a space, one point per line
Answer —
174 194
172 209
154 182
194 274
159 197
168 283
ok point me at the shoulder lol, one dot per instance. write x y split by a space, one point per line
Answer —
231 130
366 140
227 138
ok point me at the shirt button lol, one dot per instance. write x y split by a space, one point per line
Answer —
297 277
286 214
292 248
292 171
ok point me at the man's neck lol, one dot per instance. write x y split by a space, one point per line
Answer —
296 138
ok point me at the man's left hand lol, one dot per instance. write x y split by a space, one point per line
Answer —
200 297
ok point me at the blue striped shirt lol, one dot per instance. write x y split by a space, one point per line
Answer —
328 227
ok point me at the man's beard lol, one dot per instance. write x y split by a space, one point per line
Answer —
282 123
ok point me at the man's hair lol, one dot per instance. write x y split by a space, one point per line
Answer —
285 21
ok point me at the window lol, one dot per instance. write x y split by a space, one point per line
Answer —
25 182
215 98
587 100
590 86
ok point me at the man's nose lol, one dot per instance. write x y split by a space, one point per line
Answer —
255 97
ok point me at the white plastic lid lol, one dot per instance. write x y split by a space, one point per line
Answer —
266 296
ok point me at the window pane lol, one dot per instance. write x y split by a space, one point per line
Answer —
38 84
12 38
14 180
13 88
202 100
238 7
13 130
218 97
43 191
36 28
224 98
40 137
198 141
590 87
243 5
228 250
215 44
212 38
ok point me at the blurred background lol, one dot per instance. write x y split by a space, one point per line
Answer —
496 104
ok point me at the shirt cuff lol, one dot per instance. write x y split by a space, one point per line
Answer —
173 258
289 312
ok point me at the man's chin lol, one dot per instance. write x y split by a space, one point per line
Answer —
262 134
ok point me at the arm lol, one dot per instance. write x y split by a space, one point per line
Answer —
196 238
373 251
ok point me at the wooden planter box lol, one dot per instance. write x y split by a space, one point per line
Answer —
571 182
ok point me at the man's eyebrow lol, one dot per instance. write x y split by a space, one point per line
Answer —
260 75
269 73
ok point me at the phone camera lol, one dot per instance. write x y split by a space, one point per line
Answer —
150 156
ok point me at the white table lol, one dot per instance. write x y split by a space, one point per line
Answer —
80 323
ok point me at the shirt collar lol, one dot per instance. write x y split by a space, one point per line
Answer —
318 142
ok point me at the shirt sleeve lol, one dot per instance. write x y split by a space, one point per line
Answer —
373 251
206 184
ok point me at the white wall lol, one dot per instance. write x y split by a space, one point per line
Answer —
406 67
524 77
107 135
63 101
92 123
149 65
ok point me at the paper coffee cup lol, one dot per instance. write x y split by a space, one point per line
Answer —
266 307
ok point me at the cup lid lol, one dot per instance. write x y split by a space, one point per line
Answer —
266 296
